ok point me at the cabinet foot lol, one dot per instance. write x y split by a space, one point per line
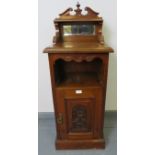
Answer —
80 144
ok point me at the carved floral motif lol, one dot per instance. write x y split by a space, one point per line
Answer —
79 118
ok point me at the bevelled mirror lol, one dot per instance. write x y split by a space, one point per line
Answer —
79 29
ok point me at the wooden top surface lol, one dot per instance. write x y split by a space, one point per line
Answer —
86 47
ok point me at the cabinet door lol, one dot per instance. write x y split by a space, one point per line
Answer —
79 117
79 109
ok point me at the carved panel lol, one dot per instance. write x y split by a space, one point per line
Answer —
79 114
79 118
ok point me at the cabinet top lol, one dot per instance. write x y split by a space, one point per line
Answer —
77 32
78 48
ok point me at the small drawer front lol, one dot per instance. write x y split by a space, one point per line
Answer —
78 93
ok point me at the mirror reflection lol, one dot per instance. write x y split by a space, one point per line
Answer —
85 29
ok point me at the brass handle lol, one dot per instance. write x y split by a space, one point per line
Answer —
60 118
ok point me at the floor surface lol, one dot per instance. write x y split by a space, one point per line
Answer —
46 137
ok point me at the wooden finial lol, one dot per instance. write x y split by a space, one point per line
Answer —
78 10
78 5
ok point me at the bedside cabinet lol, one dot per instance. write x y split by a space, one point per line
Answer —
78 61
